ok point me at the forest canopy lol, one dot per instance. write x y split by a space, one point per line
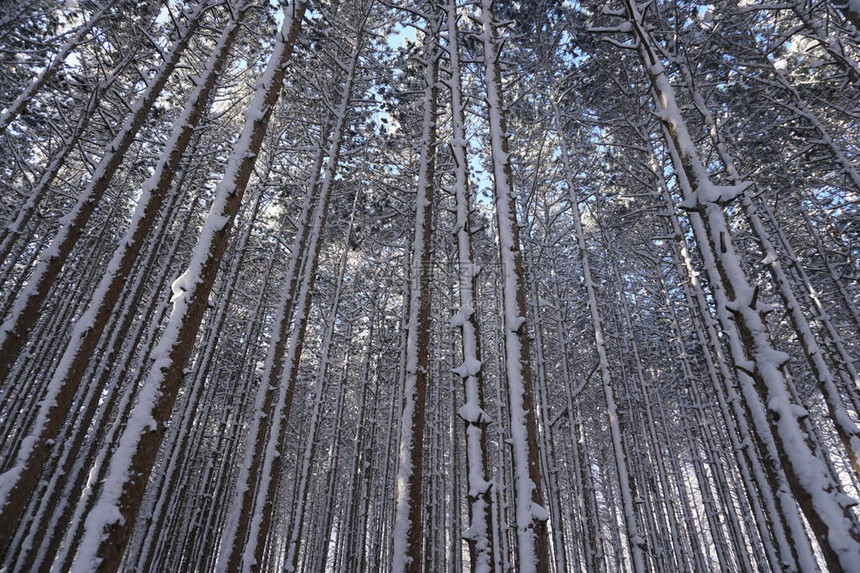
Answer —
431 286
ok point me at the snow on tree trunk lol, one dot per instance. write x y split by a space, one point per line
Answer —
479 534
297 519
108 522
408 534
16 488
79 37
752 476
25 311
260 471
11 235
824 506
846 428
530 515
634 538
832 45
239 518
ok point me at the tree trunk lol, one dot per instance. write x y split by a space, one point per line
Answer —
108 524
531 517
408 535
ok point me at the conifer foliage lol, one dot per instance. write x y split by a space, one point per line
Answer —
432 286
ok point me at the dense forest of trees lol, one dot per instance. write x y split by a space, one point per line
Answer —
441 286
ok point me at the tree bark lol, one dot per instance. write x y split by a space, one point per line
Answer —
109 522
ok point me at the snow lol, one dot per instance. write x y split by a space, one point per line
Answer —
539 512
473 414
725 271
459 319
85 323
465 319
513 314
65 53
73 222
106 511
470 367
9 478
618 452
707 192
775 411
411 434
269 384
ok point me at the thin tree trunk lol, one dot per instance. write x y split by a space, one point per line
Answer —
298 515
479 533
89 327
807 475
270 464
78 38
634 538
25 311
109 522
239 519
408 535
531 517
